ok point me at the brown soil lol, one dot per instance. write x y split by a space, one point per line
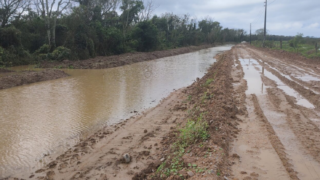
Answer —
103 62
28 77
275 141
5 70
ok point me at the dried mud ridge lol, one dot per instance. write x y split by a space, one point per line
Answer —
28 77
213 101
103 62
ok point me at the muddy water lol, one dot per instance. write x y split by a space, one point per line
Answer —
255 85
48 117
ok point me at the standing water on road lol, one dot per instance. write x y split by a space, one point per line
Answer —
49 117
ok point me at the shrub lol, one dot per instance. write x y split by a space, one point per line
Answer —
1 53
44 49
14 56
10 37
60 53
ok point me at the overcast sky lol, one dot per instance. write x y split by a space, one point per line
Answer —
285 17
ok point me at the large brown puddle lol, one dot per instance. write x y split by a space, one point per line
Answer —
49 117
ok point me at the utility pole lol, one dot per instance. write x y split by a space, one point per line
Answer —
265 24
250 33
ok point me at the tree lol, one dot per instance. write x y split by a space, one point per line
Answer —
50 10
147 35
296 41
104 6
10 9
131 9
146 13
260 33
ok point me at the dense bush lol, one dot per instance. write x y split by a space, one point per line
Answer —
60 53
10 37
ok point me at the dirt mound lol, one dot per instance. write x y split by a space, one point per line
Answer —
28 77
211 102
4 70
104 62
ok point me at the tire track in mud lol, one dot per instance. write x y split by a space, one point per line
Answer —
295 140
306 93
306 132
275 141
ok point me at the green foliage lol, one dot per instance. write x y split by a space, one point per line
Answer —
44 49
208 82
14 56
298 44
146 34
10 37
296 41
60 53
2 64
92 29
193 132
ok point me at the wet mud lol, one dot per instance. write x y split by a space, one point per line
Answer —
282 105
28 77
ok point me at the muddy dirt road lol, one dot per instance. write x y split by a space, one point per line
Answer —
280 136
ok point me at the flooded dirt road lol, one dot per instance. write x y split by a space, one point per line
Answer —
47 118
280 136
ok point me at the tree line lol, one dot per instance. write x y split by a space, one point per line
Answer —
46 30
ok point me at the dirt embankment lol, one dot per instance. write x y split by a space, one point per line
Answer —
103 62
4 70
28 77
210 101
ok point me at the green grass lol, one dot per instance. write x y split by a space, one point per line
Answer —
195 131
305 49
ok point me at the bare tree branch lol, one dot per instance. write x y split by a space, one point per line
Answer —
10 9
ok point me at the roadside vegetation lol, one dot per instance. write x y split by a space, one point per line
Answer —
82 29
305 46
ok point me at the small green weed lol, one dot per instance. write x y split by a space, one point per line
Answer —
208 82
194 131
218 173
